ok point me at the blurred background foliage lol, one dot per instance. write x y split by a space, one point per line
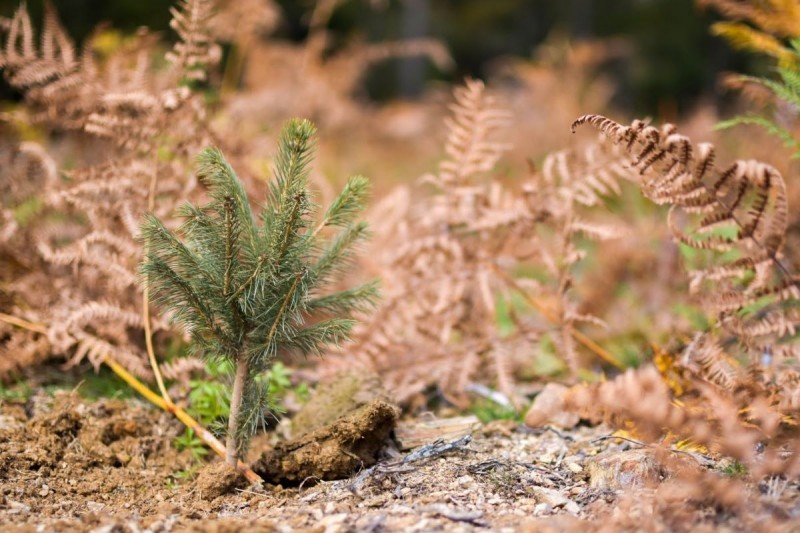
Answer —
673 62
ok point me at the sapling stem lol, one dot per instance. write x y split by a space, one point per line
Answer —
239 382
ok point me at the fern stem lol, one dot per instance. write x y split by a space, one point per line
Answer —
24 324
148 341
545 312
242 370
148 330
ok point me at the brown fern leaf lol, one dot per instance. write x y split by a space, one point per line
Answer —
780 17
469 147
590 174
741 208
155 124
181 369
195 50
449 258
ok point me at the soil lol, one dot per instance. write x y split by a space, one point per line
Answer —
112 466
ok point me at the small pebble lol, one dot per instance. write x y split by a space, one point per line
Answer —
465 481
94 507
542 508
575 468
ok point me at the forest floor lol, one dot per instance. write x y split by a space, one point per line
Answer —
68 464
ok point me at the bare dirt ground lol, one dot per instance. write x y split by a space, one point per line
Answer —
112 466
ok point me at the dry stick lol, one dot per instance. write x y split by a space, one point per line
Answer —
577 335
187 420
148 333
24 324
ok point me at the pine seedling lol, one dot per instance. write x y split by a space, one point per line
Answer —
247 288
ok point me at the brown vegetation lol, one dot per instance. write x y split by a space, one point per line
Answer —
498 273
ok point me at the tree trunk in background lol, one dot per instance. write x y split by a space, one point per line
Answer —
581 18
411 71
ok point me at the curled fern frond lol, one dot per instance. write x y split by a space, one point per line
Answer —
741 209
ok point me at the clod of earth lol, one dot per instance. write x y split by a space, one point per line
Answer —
333 451
218 479
345 393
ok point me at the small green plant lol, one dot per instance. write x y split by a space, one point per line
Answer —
735 469
487 410
209 401
247 289
787 90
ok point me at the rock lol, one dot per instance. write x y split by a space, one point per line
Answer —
622 470
333 451
218 479
421 432
548 409
17 507
554 499
542 508
575 468
95 507
9 423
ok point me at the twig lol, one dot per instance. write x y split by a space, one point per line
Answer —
24 324
437 447
542 430
433 449
609 437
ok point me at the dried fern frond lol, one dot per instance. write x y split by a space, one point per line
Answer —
320 78
155 123
195 50
741 209
181 369
450 260
589 175
778 17
469 147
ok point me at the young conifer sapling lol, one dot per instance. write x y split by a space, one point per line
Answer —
245 287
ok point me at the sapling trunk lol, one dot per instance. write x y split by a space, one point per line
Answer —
243 285
239 381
